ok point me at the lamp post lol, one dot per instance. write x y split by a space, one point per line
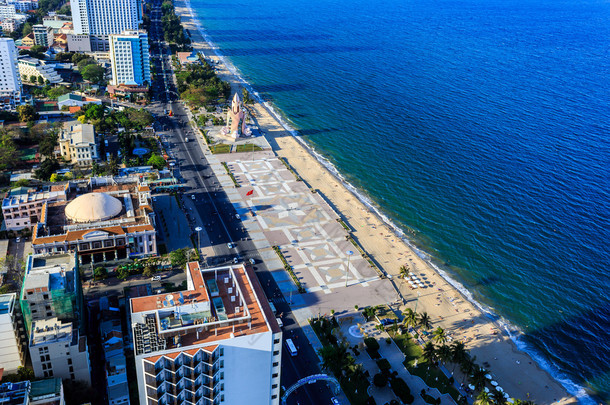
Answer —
199 229
349 255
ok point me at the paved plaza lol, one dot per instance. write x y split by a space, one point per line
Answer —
282 211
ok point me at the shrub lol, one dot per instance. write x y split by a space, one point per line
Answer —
371 343
384 365
380 380
401 389
388 340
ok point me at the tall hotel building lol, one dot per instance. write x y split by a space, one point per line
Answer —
100 18
215 343
130 59
10 79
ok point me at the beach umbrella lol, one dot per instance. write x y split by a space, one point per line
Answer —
510 400
500 388
488 376
494 383
471 386
486 389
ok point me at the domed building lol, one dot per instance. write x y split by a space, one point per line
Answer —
92 207
103 221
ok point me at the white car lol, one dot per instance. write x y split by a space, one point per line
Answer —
279 322
252 261
235 260
192 196
230 245
156 278
237 216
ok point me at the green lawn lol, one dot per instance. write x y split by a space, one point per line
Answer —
433 377
220 148
248 147
356 390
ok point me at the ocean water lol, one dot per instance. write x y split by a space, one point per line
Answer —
479 128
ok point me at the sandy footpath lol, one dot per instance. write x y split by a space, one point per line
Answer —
515 371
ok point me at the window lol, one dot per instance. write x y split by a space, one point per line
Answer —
275 353
274 375
276 341
274 386
276 364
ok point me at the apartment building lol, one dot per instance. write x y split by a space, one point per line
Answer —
10 77
130 59
215 343
31 67
13 347
52 307
100 18
43 36
24 209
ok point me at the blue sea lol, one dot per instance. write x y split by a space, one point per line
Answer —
480 129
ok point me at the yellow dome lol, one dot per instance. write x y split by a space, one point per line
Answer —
93 207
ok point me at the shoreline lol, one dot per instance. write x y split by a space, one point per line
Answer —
353 206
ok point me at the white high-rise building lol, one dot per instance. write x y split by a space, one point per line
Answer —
100 18
216 343
12 346
10 79
129 58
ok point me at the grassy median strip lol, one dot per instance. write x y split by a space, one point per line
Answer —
288 268
220 148
285 162
365 256
237 185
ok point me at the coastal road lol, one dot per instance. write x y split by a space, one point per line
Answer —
218 219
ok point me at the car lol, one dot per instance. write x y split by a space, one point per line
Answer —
252 261
192 196
155 278
335 401
237 216
279 322
387 321
235 260
230 245
17 240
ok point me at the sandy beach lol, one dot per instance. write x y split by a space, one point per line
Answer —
515 371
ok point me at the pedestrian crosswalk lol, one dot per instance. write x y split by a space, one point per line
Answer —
279 300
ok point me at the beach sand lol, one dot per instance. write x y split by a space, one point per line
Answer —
515 371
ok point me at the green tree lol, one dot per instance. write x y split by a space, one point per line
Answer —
478 378
467 366
334 358
483 399
458 353
424 321
149 271
156 161
139 118
439 335
27 113
410 317
444 353
27 29
55 178
178 257
122 272
9 156
369 313
380 380
33 79
100 273
47 144
46 169
93 73
498 398
40 80
429 352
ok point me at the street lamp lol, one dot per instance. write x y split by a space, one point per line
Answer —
349 255
198 229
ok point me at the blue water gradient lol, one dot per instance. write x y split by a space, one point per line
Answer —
480 128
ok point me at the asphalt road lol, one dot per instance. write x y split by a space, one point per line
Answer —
218 216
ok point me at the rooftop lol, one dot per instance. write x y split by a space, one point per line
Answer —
7 302
51 330
43 388
50 273
93 207
221 303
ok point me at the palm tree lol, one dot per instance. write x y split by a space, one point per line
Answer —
440 336
458 353
334 358
478 377
467 366
429 352
444 353
424 321
498 398
483 399
410 318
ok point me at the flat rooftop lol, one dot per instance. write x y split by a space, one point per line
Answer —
221 303
50 330
50 273
7 302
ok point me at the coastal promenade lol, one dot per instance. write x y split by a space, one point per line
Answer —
517 373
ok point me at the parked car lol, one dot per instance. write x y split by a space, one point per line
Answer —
388 321
335 401
155 278
235 260
230 245
252 261
237 216
17 240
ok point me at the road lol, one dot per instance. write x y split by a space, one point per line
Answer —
218 215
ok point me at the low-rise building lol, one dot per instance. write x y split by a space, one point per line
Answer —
117 385
187 58
24 5
47 392
11 24
31 67
15 393
105 219
12 345
72 100
7 11
77 143
28 40
22 210
52 307
217 342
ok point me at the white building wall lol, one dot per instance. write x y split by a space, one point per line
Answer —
10 353
7 11
104 17
10 78
65 359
